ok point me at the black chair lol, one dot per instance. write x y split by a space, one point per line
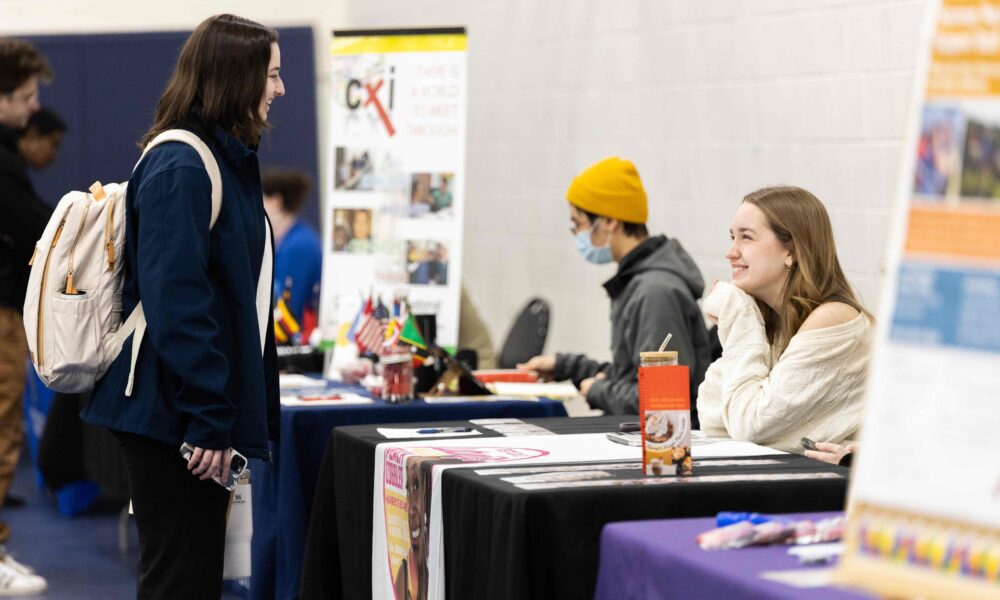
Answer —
469 356
526 337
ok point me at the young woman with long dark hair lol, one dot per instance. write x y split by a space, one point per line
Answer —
206 368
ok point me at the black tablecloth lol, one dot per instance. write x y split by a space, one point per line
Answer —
505 542
283 489
337 562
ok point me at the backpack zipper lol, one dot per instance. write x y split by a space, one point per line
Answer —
70 288
41 295
109 238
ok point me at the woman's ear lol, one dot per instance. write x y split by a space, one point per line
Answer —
789 261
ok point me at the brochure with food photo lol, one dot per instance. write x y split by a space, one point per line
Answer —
665 412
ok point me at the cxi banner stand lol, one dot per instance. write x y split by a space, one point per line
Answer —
392 228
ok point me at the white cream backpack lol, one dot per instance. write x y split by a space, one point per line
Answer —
73 307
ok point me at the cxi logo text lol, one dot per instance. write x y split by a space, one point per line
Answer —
361 94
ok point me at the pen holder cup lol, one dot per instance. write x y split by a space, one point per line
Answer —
397 376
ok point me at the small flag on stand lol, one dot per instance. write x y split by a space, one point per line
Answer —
392 333
399 313
365 307
363 331
371 334
410 335
310 315
381 311
286 328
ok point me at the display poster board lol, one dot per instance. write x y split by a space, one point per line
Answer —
392 227
407 523
924 510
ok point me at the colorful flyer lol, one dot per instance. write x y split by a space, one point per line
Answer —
665 419
407 526
407 507
924 514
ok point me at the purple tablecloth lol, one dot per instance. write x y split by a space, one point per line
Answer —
660 559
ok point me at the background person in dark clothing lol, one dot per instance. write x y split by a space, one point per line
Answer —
655 290
40 141
22 219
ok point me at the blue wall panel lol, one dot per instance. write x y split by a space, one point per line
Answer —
106 88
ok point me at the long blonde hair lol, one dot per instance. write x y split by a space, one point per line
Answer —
802 225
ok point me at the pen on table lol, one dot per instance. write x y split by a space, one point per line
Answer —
446 430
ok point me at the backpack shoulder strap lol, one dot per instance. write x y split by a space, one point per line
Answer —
186 137
136 321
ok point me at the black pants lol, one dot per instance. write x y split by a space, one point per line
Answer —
60 451
181 522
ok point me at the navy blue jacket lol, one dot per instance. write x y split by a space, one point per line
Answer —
200 377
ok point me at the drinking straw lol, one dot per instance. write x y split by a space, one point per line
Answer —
666 341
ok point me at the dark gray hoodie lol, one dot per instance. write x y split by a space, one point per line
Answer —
654 292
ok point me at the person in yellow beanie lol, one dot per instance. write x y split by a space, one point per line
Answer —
655 290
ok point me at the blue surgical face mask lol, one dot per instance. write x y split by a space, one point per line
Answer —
593 254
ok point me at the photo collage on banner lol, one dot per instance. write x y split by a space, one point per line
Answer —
393 228
924 513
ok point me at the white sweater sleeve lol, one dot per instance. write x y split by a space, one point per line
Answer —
710 402
800 395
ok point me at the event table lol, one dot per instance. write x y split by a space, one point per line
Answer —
283 490
502 541
660 559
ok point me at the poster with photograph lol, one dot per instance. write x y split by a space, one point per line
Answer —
431 195
427 263
352 230
924 516
393 223
407 536
407 499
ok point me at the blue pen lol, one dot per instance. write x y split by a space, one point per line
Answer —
728 518
446 430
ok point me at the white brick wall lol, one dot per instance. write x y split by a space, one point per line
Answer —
711 99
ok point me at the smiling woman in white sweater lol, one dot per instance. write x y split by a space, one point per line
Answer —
796 340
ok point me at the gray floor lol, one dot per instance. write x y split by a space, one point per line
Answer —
78 556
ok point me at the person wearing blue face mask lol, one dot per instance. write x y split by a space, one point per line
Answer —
654 291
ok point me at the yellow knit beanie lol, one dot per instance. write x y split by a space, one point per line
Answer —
610 188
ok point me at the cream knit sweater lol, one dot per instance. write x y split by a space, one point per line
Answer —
815 389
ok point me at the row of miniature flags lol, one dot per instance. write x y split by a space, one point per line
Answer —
377 328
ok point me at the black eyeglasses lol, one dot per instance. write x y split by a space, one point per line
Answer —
574 229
